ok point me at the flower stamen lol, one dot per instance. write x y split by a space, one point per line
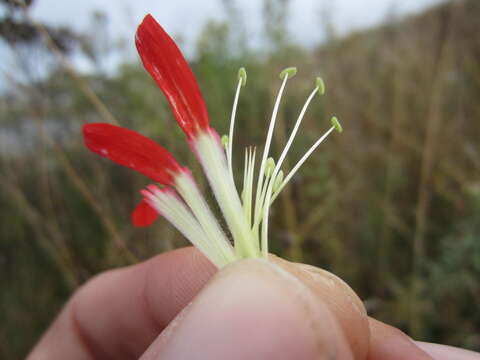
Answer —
242 80
297 125
247 192
276 183
284 75
335 126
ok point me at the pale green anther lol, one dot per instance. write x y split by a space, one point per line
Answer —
269 167
278 181
336 124
225 140
242 75
320 85
290 71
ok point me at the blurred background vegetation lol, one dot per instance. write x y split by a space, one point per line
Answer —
392 205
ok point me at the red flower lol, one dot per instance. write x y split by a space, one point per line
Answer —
144 215
179 200
133 150
137 152
166 64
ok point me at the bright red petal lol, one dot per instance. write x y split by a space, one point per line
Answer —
166 64
144 215
130 149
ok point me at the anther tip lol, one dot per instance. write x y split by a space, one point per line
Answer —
269 166
270 162
224 140
290 71
335 123
242 75
320 85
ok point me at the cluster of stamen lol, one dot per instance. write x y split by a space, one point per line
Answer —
271 179
246 215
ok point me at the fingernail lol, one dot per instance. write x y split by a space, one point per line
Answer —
253 309
438 351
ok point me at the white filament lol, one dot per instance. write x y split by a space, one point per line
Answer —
301 161
232 124
266 149
248 183
267 199
294 131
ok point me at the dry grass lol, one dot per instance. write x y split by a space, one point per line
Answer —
391 205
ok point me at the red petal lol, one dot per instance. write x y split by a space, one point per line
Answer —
130 149
144 215
166 64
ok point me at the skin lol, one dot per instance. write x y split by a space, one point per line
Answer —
177 306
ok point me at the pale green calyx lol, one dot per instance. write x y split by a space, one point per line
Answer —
290 71
242 76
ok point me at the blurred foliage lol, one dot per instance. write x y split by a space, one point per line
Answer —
16 30
392 205
11 5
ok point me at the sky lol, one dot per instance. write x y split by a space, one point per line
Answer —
186 17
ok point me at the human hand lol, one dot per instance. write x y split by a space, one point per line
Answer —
252 309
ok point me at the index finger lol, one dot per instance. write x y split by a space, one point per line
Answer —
120 312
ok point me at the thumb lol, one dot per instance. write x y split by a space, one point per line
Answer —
258 309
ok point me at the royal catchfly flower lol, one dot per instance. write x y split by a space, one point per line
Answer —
175 194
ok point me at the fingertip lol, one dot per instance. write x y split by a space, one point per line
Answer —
390 343
340 299
253 309
171 282
117 314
